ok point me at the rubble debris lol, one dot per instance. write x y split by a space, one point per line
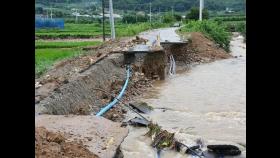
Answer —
136 122
230 150
141 107
188 151
139 40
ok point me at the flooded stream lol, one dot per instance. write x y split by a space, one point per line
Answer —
208 102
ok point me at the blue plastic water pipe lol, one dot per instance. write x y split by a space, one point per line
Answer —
110 105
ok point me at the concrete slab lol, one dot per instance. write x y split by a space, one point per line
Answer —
99 135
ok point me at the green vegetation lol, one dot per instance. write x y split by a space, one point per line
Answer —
230 18
95 30
72 31
69 44
48 53
132 19
94 7
45 58
233 24
169 18
212 30
194 14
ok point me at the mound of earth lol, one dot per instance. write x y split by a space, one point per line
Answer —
199 49
206 48
53 145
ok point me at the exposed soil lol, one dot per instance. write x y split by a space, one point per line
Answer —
53 145
206 48
198 50
68 87
67 70
97 134
138 84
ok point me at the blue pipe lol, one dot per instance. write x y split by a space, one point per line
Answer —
106 108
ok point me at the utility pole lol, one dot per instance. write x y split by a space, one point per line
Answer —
113 36
159 13
51 13
202 4
200 9
76 11
103 21
245 7
172 11
150 13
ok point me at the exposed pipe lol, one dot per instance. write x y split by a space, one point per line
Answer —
109 94
106 108
172 68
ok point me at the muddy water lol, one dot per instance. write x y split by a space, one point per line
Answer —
207 102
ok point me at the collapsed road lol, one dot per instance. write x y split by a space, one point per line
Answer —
69 88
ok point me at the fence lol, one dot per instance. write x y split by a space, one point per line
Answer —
49 23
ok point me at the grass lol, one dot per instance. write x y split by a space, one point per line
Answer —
230 18
235 26
72 31
49 53
212 30
233 23
94 30
49 44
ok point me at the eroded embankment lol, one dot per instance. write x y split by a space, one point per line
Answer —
69 87
198 49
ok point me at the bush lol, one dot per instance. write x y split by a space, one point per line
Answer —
235 26
241 27
194 14
178 17
167 18
131 19
212 30
232 18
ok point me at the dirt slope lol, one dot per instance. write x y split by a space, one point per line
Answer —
53 145
199 49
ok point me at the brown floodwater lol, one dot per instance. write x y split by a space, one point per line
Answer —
206 102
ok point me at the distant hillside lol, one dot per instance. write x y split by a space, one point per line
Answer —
163 5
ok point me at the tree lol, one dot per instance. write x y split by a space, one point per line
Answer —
39 10
177 17
167 18
205 14
129 18
194 14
